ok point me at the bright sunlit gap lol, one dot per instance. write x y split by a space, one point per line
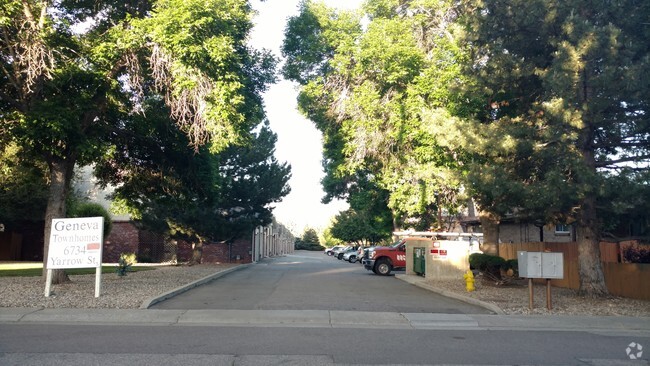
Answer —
299 142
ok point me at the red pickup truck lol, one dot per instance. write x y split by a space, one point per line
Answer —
382 260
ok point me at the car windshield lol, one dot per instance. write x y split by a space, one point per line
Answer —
396 244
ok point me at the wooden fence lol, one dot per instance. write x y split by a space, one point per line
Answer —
622 279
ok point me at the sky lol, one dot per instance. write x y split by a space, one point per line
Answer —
299 142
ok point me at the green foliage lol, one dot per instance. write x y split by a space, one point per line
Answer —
23 186
74 95
124 263
489 264
300 245
351 226
196 195
534 130
374 93
91 209
310 236
328 240
308 241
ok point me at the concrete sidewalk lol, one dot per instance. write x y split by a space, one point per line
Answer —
326 319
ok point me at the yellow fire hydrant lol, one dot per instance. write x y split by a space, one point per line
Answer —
469 281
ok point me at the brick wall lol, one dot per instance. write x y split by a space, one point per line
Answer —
124 238
127 238
221 253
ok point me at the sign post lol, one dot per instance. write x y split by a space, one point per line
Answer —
75 243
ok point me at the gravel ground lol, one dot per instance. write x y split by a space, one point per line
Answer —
513 299
126 292
130 291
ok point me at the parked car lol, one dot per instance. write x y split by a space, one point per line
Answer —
340 251
343 252
351 255
383 260
330 251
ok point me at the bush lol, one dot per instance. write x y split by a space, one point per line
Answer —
637 254
512 264
301 245
90 209
490 265
124 263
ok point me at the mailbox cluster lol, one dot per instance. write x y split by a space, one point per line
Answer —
540 265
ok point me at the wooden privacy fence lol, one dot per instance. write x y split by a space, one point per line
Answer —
622 279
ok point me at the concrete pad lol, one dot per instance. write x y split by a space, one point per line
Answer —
564 322
440 321
365 319
310 318
285 360
104 316
15 314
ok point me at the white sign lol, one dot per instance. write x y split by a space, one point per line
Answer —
75 243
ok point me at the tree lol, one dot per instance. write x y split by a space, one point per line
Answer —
566 110
328 240
369 220
198 196
361 228
308 241
375 94
62 89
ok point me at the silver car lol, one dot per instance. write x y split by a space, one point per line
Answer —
351 255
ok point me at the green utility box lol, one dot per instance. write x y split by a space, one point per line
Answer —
419 261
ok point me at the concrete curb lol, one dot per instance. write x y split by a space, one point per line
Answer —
146 304
414 280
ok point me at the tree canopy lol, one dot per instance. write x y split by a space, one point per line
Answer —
73 72
369 91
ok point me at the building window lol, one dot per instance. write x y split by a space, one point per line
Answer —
562 229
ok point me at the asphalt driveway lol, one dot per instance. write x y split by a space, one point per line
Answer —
314 281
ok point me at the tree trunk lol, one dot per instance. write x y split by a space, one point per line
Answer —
490 226
61 171
592 279
197 252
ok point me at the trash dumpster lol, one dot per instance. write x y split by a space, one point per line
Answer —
419 261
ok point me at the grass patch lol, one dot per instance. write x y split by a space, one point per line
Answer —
31 269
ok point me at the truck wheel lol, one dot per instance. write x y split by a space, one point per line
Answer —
383 267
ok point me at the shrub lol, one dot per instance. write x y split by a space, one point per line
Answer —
490 265
90 209
301 245
124 263
512 264
637 254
